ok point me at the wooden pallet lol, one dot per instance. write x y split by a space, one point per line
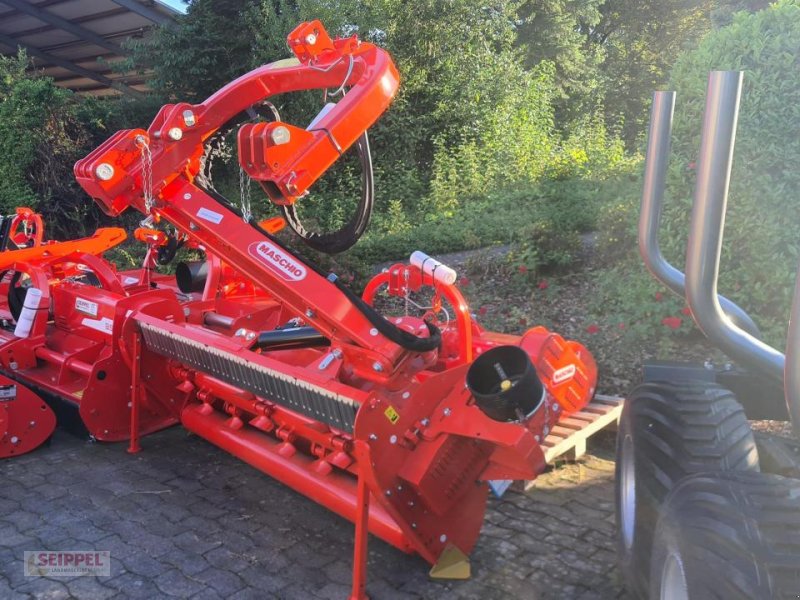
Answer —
568 437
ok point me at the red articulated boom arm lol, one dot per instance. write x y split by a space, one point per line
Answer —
395 424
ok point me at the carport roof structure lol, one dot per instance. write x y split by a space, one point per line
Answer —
76 42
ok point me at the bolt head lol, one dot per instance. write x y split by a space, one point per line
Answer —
373 332
446 412
175 133
393 439
189 118
443 538
187 196
311 39
104 171
280 135
377 367
310 313
14 440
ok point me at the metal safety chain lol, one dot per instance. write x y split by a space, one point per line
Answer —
147 172
245 194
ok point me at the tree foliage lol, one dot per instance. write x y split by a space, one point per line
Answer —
43 130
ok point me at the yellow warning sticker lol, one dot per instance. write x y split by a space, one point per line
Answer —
392 415
78 394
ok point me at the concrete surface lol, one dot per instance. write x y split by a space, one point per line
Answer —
183 519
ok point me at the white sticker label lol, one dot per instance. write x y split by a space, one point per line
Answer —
105 324
130 280
210 216
86 306
278 260
8 392
564 374
84 268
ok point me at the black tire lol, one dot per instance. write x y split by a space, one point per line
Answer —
668 431
732 536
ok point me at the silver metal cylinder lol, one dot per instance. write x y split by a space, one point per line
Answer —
707 223
655 173
792 372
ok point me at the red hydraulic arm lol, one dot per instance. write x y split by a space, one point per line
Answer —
163 163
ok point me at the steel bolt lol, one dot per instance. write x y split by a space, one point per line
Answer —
373 437
388 492
393 439
446 412
187 196
443 538
189 118
377 367
406 395
175 133
373 332
310 313
193 227
311 39
104 171
32 424
425 422
280 135
555 407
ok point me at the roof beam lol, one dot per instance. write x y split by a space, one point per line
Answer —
62 23
69 66
145 11
80 20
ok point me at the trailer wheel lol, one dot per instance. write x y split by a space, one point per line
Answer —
668 431
729 535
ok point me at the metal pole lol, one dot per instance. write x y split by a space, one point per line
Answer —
792 370
655 173
708 221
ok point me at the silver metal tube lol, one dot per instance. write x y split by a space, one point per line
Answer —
655 173
705 233
792 370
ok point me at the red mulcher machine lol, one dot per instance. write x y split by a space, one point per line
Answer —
401 424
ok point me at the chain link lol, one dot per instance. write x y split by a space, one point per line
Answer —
147 172
245 194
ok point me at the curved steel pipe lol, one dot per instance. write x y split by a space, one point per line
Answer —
655 172
792 370
705 234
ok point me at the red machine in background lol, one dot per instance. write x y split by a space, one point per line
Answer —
26 421
399 424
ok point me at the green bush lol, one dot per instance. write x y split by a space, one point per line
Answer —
761 246
41 136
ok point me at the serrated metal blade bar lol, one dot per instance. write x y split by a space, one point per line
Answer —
297 395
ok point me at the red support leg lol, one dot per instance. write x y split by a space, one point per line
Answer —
360 554
136 354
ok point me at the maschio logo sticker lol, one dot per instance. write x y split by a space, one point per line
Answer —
277 259
563 374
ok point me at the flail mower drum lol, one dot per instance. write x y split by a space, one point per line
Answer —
399 424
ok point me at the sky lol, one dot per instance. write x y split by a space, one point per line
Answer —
176 4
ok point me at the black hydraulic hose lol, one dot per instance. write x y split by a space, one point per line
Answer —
347 236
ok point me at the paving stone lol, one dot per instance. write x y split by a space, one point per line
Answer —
224 582
175 583
216 528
